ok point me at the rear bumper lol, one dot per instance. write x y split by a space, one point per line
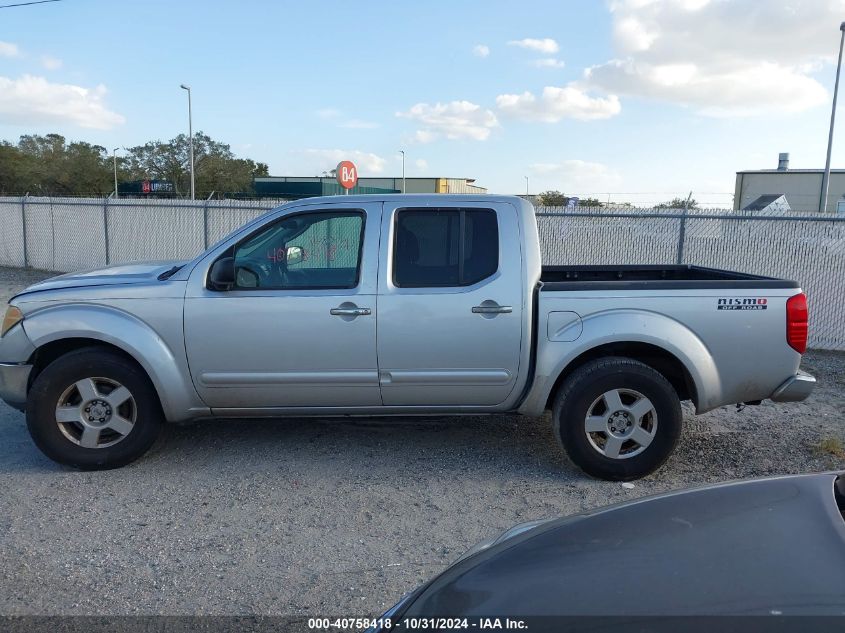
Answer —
796 388
14 378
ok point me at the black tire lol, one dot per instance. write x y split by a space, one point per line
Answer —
92 362
585 387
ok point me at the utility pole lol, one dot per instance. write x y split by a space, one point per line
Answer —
826 177
402 151
191 138
114 157
526 186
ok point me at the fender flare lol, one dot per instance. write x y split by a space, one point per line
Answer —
169 375
628 326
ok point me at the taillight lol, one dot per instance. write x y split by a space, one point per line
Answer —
796 322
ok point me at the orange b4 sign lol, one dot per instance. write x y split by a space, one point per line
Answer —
347 174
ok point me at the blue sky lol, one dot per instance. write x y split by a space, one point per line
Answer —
640 100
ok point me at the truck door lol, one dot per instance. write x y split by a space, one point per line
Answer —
298 327
451 304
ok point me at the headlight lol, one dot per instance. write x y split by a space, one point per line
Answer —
516 530
12 318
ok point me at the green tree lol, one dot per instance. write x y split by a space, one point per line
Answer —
678 203
216 167
590 202
49 166
14 166
553 199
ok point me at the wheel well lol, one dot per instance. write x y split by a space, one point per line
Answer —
49 352
655 357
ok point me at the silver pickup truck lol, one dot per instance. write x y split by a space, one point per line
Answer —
396 305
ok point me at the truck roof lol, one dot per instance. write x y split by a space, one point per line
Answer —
426 199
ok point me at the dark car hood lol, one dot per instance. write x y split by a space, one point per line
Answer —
133 273
772 547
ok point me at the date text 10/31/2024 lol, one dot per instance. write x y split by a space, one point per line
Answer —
417 624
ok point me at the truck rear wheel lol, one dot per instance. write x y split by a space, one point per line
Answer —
93 409
617 418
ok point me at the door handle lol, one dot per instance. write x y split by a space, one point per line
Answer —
492 309
353 312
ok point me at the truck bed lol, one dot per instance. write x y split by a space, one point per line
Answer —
653 277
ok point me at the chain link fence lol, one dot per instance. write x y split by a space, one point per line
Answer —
808 248
66 234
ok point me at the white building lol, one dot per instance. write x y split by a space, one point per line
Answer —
801 188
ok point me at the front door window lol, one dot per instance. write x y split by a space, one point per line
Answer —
319 250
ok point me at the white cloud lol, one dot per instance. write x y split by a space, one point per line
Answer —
631 34
480 50
723 58
576 177
421 164
549 62
453 120
34 100
328 113
568 102
319 160
546 45
7 49
51 63
743 91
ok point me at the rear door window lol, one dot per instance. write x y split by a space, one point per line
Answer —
444 247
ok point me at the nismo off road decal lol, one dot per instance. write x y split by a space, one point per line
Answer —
742 303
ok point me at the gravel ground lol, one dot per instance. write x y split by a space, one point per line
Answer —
14 280
318 517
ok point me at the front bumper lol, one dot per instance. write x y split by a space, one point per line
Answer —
796 388
14 378
16 353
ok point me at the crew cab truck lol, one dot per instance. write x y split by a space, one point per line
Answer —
396 305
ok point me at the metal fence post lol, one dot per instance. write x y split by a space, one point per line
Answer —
23 227
682 233
106 227
205 223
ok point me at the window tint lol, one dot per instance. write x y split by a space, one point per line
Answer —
444 247
310 250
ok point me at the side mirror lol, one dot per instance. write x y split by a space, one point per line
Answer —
222 274
294 255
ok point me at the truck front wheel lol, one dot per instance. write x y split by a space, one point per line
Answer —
617 418
93 409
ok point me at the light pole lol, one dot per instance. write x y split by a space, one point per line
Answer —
526 186
191 138
826 177
402 151
114 157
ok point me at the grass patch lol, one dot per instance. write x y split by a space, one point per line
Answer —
830 446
